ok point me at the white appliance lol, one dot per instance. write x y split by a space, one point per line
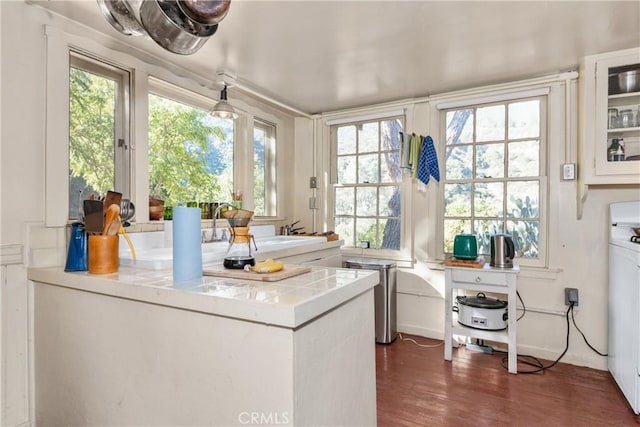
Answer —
624 300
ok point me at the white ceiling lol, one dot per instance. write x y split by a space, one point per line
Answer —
319 56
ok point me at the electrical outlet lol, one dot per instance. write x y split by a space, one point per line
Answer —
569 172
365 244
571 296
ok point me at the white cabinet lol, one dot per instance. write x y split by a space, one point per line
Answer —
487 279
608 114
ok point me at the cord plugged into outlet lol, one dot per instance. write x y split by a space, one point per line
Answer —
571 296
364 244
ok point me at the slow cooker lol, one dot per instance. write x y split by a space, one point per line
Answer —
481 312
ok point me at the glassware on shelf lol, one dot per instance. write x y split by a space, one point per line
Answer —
626 118
613 118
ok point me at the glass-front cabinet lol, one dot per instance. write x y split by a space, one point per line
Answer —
609 137
620 93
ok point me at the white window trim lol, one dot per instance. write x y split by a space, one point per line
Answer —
122 154
556 134
405 253
59 46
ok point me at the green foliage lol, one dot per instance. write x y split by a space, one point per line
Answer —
179 138
91 124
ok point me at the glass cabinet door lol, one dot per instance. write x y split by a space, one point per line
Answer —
617 127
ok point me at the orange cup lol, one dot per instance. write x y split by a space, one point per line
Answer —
103 253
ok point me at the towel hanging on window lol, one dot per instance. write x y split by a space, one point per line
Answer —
414 156
428 162
405 150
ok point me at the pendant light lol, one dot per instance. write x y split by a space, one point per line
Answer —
223 109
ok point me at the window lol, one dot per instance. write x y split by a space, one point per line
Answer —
90 145
367 177
190 152
98 131
494 173
264 168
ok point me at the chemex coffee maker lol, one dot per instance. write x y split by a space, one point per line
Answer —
239 251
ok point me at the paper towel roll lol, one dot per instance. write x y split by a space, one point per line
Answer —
187 244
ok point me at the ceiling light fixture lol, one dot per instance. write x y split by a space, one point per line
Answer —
223 109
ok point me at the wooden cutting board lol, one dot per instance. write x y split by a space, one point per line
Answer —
289 270
471 263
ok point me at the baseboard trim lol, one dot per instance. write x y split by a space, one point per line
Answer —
420 331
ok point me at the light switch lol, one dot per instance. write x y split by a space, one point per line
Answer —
313 182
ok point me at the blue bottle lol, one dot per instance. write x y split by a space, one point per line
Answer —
77 254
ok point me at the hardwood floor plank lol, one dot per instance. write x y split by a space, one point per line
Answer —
417 387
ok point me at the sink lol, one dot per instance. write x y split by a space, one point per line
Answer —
289 240
160 258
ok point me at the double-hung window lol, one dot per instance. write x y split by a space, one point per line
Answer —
99 153
367 182
494 182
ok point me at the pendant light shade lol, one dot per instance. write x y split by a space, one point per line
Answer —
223 109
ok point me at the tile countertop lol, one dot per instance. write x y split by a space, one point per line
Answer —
270 246
288 303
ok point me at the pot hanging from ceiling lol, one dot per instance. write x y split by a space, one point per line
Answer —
168 26
121 16
179 26
205 12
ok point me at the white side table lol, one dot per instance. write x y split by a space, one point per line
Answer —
487 279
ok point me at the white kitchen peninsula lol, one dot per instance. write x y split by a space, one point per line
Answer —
136 348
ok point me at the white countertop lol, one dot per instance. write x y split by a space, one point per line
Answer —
287 303
268 247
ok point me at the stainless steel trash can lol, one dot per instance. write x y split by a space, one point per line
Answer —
384 295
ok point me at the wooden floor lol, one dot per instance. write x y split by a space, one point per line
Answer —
417 387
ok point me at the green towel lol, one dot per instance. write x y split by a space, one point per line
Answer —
414 156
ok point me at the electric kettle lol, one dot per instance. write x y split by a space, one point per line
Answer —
502 251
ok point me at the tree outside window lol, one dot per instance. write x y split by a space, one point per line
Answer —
91 130
493 174
190 153
367 197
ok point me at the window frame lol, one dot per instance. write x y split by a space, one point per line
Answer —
122 117
270 162
404 253
173 92
543 177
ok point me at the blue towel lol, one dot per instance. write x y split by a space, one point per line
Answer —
428 163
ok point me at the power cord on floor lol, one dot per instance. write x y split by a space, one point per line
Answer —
533 361
583 337
416 343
